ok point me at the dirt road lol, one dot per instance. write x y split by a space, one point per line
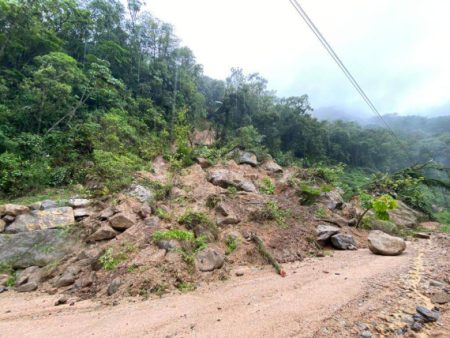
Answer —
258 304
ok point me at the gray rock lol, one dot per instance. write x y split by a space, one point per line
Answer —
30 274
2 225
404 216
13 209
343 242
61 300
105 232
42 219
28 287
272 167
68 276
226 178
436 283
430 316
366 334
79 202
381 243
245 157
230 219
417 326
81 212
48 204
37 248
203 162
152 222
122 220
168 244
422 235
209 260
324 231
8 219
114 286
440 297
106 213
141 193
85 280
3 289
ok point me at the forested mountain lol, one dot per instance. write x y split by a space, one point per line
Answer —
92 91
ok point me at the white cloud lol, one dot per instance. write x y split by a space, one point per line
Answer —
398 50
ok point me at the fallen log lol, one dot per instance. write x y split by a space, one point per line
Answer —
263 251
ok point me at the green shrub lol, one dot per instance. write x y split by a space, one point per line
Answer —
185 287
110 261
271 211
443 217
162 214
231 242
191 219
267 186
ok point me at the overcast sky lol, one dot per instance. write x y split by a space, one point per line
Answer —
398 50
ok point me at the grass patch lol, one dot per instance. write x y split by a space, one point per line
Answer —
320 213
110 260
8 270
162 214
271 211
232 243
54 194
161 190
185 287
199 222
445 228
267 186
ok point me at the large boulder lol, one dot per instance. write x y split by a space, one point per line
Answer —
404 216
226 178
381 243
209 260
13 209
42 219
244 157
35 248
105 232
343 242
325 231
79 202
332 199
272 167
123 220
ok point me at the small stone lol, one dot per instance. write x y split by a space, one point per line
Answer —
8 219
240 273
3 289
62 300
114 286
366 334
416 326
430 316
209 260
168 244
436 283
65 280
106 213
28 287
440 297
422 235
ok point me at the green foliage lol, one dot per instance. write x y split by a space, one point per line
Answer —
212 201
267 186
8 270
109 260
445 228
232 190
192 219
232 243
320 213
443 217
185 287
271 211
382 205
162 214
180 235
161 190
308 193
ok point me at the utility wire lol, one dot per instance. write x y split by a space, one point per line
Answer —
344 69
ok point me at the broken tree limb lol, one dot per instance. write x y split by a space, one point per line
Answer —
263 251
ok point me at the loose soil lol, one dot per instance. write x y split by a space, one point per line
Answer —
333 296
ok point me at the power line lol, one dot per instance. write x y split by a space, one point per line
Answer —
341 65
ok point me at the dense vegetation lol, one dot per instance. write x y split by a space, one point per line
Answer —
91 91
